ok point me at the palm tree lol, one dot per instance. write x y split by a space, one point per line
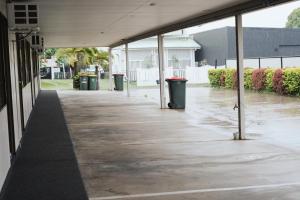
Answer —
80 57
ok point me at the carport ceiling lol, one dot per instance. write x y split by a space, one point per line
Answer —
84 23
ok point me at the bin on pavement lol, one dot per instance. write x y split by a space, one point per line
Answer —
177 87
83 82
92 82
118 79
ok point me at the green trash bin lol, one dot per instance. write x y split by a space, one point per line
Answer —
92 82
118 78
83 82
177 87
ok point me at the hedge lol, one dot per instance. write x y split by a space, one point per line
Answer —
291 81
248 78
281 81
214 76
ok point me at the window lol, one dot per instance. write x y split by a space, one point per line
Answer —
179 58
24 60
3 60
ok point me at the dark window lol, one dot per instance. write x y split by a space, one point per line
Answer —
3 60
24 60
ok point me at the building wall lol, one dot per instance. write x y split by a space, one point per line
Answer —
4 139
220 44
28 98
4 146
15 89
27 102
213 46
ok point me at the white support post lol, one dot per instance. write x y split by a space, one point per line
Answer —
127 68
110 69
161 65
64 71
240 75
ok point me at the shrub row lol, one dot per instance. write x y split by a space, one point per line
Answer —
282 81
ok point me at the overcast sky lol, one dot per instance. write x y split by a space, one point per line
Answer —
275 17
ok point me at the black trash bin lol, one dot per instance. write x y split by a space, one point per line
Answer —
118 79
93 82
84 82
177 87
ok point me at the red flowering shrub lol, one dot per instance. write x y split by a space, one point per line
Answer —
278 81
259 79
235 80
222 80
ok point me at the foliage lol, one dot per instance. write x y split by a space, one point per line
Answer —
278 82
269 79
294 19
214 76
291 81
248 78
49 52
222 79
230 78
83 56
259 79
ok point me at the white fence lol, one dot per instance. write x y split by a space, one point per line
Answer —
277 62
194 75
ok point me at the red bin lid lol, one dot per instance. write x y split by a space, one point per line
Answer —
174 78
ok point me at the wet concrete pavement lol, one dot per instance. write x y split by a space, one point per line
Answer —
128 146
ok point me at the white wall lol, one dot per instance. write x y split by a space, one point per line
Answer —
27 102
4 146
15 89
36 86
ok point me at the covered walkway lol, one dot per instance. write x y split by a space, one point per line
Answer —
128 148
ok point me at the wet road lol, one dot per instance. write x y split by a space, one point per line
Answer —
127 148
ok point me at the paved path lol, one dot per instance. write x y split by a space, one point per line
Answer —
127 148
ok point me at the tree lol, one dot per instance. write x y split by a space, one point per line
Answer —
294 19
81 57
50 52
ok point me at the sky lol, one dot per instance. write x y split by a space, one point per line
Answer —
275 17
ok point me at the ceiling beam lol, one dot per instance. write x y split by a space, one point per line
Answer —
243 8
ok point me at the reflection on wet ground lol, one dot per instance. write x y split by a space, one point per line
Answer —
128 146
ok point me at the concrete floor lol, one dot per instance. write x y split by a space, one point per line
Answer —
127 148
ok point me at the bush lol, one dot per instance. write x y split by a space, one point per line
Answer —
248 78
230 78
278 82
222 80
269 79
259 79
214 76
291 81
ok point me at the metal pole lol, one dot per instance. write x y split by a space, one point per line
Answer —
110 70
259 64
281 62
127 68
240 75
160 40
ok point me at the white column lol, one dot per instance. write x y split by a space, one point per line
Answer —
161 65
240 75
110 69
127 68
64 71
